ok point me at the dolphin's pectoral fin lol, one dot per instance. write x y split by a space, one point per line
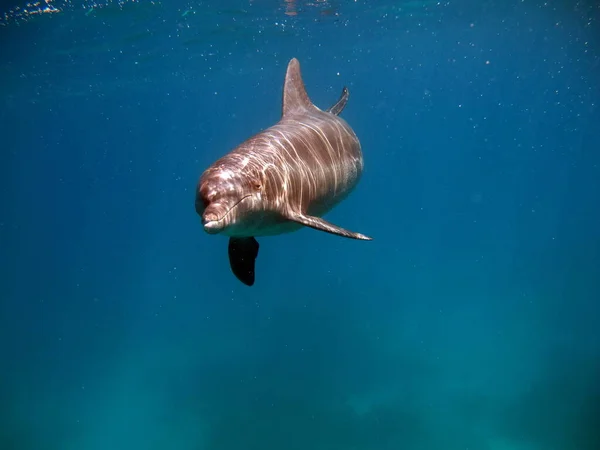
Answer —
242 256
341 103
319 224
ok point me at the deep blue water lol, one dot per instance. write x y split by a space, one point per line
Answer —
470 322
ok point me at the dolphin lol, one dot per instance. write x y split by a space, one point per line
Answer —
283 178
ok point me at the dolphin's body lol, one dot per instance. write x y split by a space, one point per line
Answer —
283 178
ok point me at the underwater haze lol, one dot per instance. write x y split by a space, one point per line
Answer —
470 322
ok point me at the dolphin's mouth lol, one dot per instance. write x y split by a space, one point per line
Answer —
213 223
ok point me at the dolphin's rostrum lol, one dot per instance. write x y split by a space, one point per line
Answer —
283 178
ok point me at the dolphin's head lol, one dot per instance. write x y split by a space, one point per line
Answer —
224 197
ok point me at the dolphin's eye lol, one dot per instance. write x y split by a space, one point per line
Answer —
255 183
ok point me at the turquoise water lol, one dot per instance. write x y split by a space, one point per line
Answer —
471 321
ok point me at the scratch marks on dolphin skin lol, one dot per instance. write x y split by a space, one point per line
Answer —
302 161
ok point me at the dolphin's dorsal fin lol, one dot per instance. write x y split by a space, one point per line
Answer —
294 92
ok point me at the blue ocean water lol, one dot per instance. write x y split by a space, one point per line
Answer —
470 322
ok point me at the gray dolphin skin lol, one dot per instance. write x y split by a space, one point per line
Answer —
283 178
